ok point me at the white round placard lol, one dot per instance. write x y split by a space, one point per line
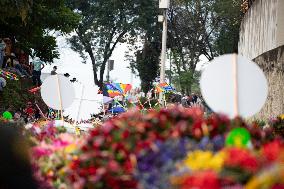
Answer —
219 89
57 92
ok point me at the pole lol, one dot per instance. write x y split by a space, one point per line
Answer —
163 53
236 87
60 98
171 68
80 104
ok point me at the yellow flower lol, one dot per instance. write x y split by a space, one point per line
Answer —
262 181
282 116
216 163
71 148
204 160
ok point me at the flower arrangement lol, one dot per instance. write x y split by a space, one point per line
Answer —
170 148
277 124
135 150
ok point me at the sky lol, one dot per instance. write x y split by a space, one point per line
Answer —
70 62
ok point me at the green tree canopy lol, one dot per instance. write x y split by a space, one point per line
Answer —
32 22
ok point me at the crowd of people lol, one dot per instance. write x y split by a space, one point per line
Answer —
14 59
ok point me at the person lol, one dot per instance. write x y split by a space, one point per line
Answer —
73 80
24 61
194 98
2 84
53 72
37 65
17 115
16 169
29 111
2 48
19 68
7 51
67 75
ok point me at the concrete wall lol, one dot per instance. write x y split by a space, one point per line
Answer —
280 23
262 28
272 63
262 40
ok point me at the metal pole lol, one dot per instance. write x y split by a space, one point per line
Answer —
163 53
171 68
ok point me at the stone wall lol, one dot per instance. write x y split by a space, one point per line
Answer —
262 28
272 63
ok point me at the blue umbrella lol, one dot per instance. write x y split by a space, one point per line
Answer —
117 110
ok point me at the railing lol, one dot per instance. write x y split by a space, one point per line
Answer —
246 5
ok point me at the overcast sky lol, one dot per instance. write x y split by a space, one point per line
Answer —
70 62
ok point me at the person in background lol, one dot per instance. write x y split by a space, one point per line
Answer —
2 48
67 75
7 51
18 115
24 61
16 169
73 80
37 65
20 68
29 111
53 72
2 84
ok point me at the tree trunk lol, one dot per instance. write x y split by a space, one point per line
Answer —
97 82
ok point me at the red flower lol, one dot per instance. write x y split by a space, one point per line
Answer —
278 186
125 134
127 166
238 157
202 180
92 170
271 151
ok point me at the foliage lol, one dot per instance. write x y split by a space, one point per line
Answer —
192 26
147 65
277 124
201 28
33 32
16 95
146 61
187 81
18 8
230 15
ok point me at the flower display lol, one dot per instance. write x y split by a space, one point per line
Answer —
169 148
277 124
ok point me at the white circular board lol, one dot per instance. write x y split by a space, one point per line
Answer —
217 86
86 103
51 95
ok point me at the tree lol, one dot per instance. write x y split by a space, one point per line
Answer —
33 27
230 16
105 23
15 8
192 26
201 27
147 64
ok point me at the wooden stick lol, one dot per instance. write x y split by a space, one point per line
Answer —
40 111
236 87
80 104
60 98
